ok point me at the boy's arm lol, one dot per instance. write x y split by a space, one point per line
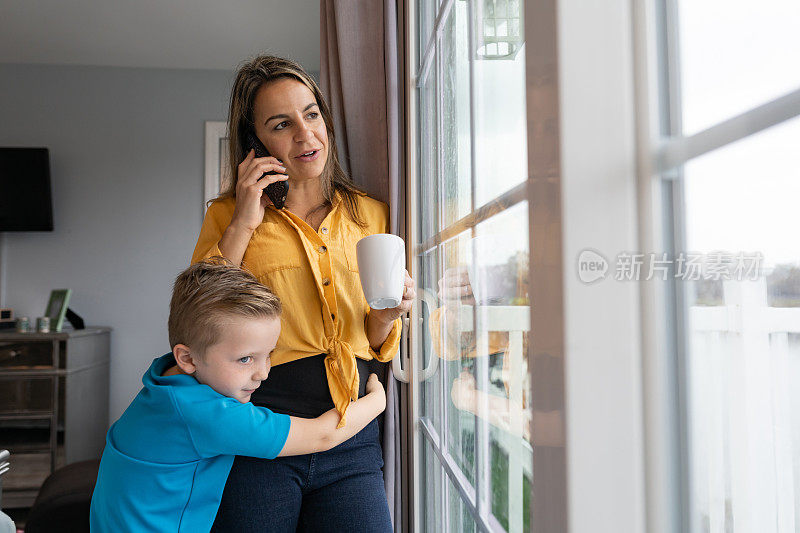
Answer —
310 435
223 426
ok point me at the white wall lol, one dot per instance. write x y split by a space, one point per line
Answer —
126 155
602 351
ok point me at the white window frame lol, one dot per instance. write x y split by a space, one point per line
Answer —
662 152
479 507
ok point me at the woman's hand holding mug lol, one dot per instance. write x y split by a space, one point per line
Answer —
251 201
387 286
392 314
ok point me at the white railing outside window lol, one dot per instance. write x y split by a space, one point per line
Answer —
745 428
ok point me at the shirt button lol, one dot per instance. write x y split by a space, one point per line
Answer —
323 249
326 281
324 230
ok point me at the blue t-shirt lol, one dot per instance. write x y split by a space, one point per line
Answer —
167 458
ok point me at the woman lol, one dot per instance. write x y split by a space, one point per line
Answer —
330 338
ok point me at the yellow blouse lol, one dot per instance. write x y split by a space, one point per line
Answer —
315 274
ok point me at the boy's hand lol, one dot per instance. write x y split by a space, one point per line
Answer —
375 390
374 385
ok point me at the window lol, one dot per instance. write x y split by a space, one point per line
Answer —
729 163
473 459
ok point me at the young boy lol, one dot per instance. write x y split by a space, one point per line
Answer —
167 458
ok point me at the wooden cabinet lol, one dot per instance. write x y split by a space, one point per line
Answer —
53 404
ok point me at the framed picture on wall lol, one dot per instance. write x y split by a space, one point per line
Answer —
216 167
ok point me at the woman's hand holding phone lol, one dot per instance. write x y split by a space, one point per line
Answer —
251 201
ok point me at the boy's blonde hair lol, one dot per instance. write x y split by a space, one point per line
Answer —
210 290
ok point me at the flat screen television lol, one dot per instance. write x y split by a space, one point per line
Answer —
25 200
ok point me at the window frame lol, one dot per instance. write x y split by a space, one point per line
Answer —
662 151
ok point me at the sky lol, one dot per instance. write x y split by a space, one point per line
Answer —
736 55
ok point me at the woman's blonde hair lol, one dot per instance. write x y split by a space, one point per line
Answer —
209 291
250 78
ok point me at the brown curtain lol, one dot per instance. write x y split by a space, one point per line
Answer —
361 74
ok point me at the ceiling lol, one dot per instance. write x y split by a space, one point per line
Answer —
196 34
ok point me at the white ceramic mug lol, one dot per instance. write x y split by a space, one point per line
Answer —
492 284
381 266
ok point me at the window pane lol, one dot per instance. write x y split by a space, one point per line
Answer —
501 141
428 338
735 55
744 362
500 284
431 489
428 151
448 344
743 197
455 116
461 520
459 353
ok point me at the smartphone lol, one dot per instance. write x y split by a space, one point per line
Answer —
275 191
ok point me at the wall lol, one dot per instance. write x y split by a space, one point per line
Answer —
126 155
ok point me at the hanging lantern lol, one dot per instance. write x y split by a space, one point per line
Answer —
500 31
